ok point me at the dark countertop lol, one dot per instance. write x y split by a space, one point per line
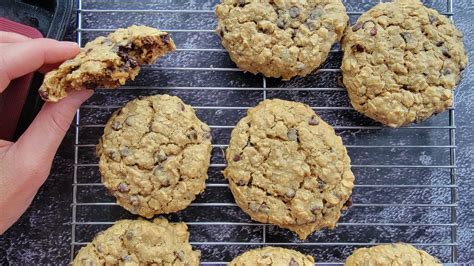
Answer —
43 234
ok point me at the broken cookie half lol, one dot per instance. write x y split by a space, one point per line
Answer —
107 61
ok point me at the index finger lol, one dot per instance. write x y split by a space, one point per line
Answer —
9 37
21 58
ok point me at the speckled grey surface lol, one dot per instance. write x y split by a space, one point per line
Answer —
43 235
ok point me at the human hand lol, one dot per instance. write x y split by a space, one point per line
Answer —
25 164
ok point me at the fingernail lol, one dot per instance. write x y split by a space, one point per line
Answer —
70 44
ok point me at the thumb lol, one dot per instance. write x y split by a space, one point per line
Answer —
38 145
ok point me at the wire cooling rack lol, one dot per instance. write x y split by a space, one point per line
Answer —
405 178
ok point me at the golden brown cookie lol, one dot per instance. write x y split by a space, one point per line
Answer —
107 61
154 155
140 242
392 254
401 62
280 38
286 166
272 256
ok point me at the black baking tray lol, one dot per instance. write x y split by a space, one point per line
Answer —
51 18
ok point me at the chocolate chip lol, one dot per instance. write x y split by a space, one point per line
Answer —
43 94
447 71
406 37
193 135
91 85
241 182
129 235
294 11
206 135
165 38
290 193
126 58
313 121
292 134
124 151
439 44
221 33
280 23
237 158
134 200
321 184
310 26
132 62
445 52
293 262
348 203
114 155
318 12
357 48
357 26
432 19
123 187
241 3
264 208
116 125
373 31
160 156
179 255
165 182
158 171
293 34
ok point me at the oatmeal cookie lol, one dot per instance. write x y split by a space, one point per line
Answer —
280 38
392 254
140 242
286 166
154 155
401 62
107 61
272 256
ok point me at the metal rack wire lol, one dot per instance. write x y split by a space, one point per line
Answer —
421 208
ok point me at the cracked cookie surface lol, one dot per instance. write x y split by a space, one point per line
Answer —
154 155
392 254
140 242
280 38
401 62
272 256
107 61
286 166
